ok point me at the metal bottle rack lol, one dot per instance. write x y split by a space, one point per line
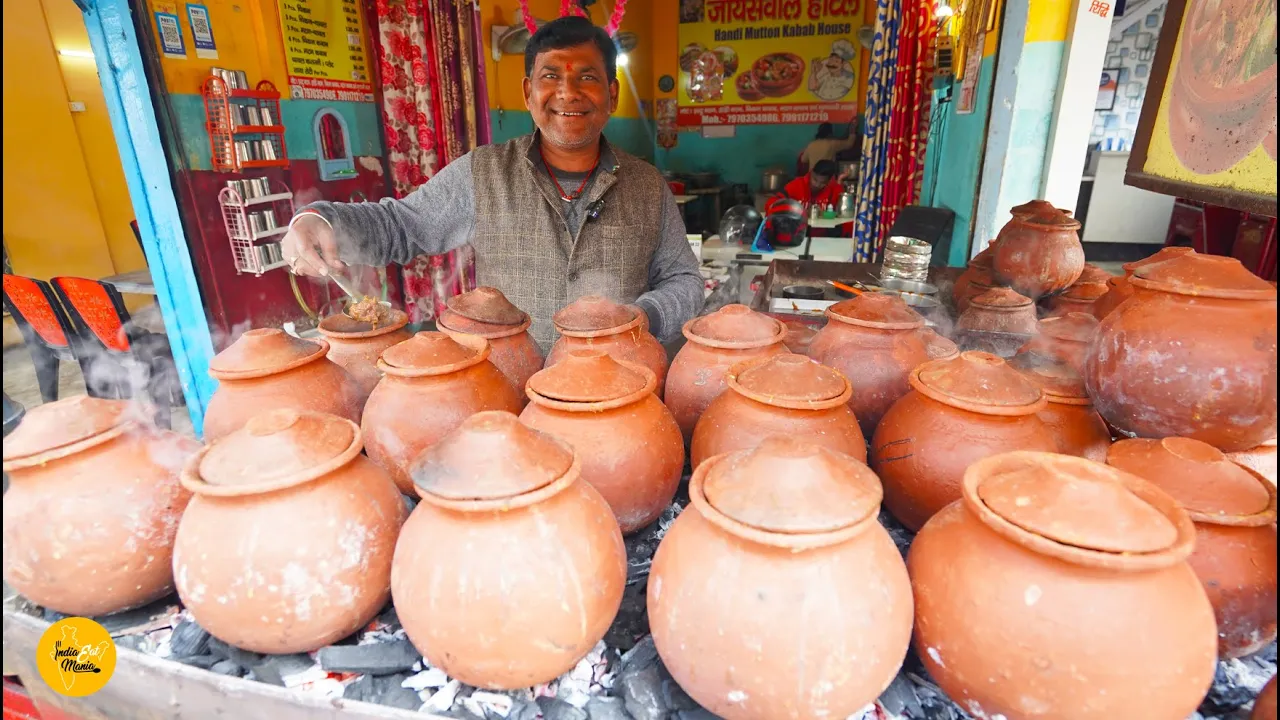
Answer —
234 142
255 243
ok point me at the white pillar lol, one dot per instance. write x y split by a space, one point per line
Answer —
1085 54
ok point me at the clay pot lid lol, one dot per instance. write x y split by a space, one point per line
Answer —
738 326
937 346
792 486
1076 327
1086 291
1092 274
1075 503
591 376
1199 476
433 353
1060 382
341 325
1161 255
490 456
887 312
264 351
984 259
1054 219
979 382
593 313
1205 276
487 305
279 447
786 379
1001 298
1033 207
57 425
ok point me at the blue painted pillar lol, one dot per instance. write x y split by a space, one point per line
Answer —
133 120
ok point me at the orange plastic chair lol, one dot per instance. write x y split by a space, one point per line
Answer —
49 334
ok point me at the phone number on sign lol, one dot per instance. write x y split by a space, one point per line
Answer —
766 114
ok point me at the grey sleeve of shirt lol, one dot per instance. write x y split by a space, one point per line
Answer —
434 219
675 286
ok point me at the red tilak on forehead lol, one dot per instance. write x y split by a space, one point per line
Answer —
568 66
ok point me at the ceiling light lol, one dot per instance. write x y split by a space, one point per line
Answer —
623 60
77 53
943 12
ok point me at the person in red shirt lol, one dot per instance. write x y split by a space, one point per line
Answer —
820 187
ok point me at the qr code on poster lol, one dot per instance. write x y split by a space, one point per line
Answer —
199 26
170 35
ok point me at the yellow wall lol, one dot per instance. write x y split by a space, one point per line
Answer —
247 33
505 77
66 206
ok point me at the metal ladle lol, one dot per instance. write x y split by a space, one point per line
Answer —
355 297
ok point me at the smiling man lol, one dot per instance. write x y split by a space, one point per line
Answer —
553 216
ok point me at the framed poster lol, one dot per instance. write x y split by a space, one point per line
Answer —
1207 131
324 50
1107 86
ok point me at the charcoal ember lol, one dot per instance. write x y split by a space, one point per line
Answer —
122 622
674 696
1237 682
642 692
557 709
53 616
934 704
697 714
225 651
204 662
900 698
132 642
902 537
643 655
1266 654
607 708
227 667
359 689
387 690
379 658
389 618
188 639
275 668
632 621
526 710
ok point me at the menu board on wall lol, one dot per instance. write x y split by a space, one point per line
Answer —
324 47
763 62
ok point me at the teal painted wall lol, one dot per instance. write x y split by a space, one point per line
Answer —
363 122
956 153
1030 125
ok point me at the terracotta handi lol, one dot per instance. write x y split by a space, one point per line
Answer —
627 442
355 345
287 545
511 568
1192 354
1070 416
1081 298
1119 289
1039 254
980 280
594 322
488 313
979 267
266 369
786 394
1261 459
717 342
875 341
961 410
1064 339
1264 708
432 382
92 508
1059 588
1234 512
778 594
999 310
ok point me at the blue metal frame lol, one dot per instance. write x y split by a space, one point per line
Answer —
133 121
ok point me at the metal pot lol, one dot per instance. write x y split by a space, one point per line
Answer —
701 180
773 180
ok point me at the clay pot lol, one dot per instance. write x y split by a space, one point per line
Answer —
937 346
268 369
1264 708
1039 254
999 310
980 280
1192 354
487 313
875 341
1058 588
627 442
1080 298
1261 459
1119 289
1064 339
980 267
960 410
287 545
1234 512
1035 207
785 394
92 506
432 382
1070 416
778 594
800 336
717 342
620 330
510 569
355 346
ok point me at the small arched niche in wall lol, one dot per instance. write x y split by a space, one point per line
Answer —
333 146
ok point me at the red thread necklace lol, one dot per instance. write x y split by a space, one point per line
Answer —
576 193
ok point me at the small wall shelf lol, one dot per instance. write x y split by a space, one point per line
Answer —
251 221
244 126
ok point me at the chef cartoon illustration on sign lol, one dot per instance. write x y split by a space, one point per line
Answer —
831 77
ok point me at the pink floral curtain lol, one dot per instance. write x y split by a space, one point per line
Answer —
434 110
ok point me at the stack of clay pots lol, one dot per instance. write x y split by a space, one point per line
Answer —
597 323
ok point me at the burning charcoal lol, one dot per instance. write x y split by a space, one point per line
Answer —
900 698
380 658
698 714
443 699
675 698
556 709
607 708
429 678
632 620
188 639
133 642
525 710
642 692
1236 683
148 617
204 662
359 689
387 690
901 536
53 616
275 668
644 654
934 704
227 667
389 618
243 658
